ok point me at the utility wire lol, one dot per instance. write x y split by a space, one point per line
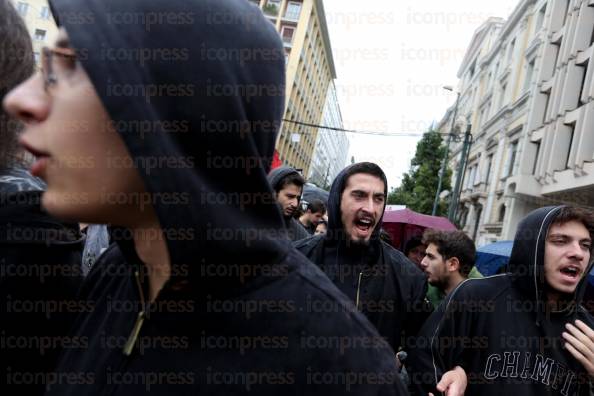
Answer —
395 134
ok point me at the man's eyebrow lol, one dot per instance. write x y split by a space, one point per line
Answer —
558 235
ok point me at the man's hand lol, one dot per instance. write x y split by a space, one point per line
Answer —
453 383
580 343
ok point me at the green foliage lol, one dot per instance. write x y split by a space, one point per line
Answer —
419 185
270 9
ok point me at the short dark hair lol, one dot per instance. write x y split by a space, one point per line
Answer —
16 65
574 213
411 244
291 178
317 206
368 168
453 244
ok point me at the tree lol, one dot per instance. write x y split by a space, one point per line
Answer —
419 185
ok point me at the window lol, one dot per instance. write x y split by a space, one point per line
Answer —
501 213
571 137
529 74
287 34
293 11
511 159
584 67
44 13
510 54
503 93
540 18
567 3
489 165
22 8
272 7
39 34
37 57
477 175
536 157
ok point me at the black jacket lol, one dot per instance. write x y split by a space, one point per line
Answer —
238 314
388 288
39 280
295 230
497 329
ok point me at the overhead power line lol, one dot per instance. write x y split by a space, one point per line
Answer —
377 133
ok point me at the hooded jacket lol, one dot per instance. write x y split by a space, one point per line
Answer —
200 88
295 230
388 288
39 280
498 330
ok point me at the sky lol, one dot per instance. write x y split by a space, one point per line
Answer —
392 59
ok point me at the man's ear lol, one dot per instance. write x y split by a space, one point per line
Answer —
453 264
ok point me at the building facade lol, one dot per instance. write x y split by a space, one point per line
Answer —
331 146
500 87
310 70
40 23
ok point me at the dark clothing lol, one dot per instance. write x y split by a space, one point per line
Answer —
388 288
311 229
498 331
234 316
39 280
384 285
294 229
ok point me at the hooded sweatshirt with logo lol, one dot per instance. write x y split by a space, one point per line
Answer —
388 288
498 329
295 231
195 89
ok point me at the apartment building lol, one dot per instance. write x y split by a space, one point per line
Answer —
498 88
556 155
331 146
310 70
41 26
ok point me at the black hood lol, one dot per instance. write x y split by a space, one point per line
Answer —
526 262
196 91
276 176
335 226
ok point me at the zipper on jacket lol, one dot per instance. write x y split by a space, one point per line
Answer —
358 290
139 320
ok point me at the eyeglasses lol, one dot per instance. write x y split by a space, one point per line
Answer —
56 62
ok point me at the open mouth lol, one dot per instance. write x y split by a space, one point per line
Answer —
364 224
571 272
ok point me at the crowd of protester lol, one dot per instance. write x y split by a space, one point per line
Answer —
121 277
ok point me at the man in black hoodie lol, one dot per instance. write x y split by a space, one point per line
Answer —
173 107
388 288
525 332
39 255
287 184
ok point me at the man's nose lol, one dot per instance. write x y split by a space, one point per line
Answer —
28 102
368 205
577 251
424 264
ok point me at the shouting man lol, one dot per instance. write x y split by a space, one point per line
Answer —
382 282
524 332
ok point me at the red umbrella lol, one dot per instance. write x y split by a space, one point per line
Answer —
405 224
